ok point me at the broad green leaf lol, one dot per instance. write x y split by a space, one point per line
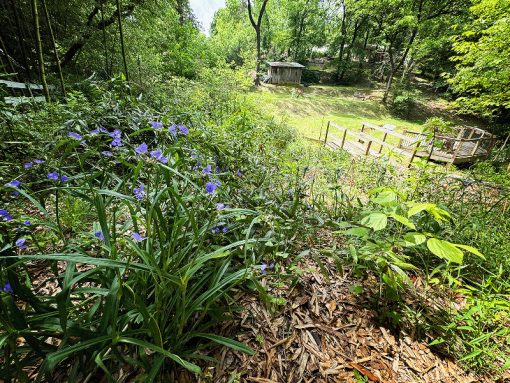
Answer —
385 198
471 250
445 250
403 220
414 239
376 221
357 231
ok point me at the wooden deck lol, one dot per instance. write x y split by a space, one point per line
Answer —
476 145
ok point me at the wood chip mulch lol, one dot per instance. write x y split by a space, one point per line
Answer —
325 333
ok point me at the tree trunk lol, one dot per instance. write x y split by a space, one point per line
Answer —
362 59
256 26
349 50
105 45
38 46
342 41
55 53
122 48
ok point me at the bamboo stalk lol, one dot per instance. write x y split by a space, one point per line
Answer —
42 71
55 52
122 47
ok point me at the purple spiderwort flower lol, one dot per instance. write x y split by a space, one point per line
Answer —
194 155
224 230
210 187
182 129
207 170
116 142
36 161
13 184
220 206
271 265
15 193
115 134
157 125
139 192
28 165
173 129
27 222
64 178
158 155
107 154
53 176
141 149
98 130
20 243
7 288
137 237
239 174
75 135
263 267
99 235
217 230
5 215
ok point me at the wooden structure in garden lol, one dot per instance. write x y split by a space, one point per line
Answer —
24 89
469 144
284 73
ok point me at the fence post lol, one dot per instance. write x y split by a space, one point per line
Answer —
414 153
384 140
343 138
368 148
327 132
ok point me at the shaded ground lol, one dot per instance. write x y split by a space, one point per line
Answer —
326 333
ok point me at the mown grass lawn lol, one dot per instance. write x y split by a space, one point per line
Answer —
310 110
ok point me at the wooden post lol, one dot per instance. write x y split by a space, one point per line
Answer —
326 136
368 148
384 140
414 154
473 152
343 138
461 142
362 131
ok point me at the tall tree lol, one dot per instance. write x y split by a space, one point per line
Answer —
256 25
122 46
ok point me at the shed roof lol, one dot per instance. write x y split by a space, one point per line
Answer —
282 64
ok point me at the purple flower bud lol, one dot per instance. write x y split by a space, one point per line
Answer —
53 176
75 135
183 130
28 165
137 237
39 161
207 170
173 129
107 154
220 206
7 288
156 125
271 265
141 149
239 174
99 234
27 222
224 230
263 267
64 178
13 184
20 243
5 215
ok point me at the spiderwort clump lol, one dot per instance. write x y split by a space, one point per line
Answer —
13 184
137 237
7 288
20 243
5 215
141 149
53 176
139 192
